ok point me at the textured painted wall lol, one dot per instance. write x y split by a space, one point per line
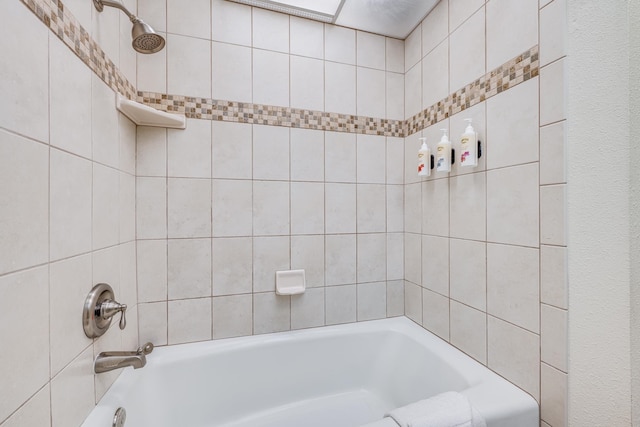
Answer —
634 115
598 213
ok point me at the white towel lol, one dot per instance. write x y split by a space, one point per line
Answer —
448 409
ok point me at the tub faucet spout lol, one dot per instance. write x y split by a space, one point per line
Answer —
110 360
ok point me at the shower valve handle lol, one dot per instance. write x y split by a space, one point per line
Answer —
110 308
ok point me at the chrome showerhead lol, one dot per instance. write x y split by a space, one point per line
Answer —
145 39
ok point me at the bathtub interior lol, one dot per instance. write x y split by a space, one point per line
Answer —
316 378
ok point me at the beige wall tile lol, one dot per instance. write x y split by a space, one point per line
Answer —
232 316
232 207
188 66
467 51
70 205
435 75
307 83
307 253
339 44
189 150
435 264
340 259
152 322
75 383
371 257
394 55
370 159
553 147
189 320
372 301
25 205
413 302
553 200
270 254
395 298
512 28
35 412
554 336
370 50
307 310
189 207
189 273
24 85
340 304
554 400
513 285
69 282
513 205
26 365
468 211
469 331
189 19
413 258
553 276
435 313
435 207
552 93
515 354
306 37
435 27
553 31
512 126
232 266
468 272
232 150
230 23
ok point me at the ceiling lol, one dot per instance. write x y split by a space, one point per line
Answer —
393 18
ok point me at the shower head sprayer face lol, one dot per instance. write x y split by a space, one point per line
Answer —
145 39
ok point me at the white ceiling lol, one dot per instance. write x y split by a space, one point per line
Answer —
393 18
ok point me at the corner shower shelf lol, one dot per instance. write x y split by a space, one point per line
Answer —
143 115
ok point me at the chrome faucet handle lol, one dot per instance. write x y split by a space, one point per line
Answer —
110 308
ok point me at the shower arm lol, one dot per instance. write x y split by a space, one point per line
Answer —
100 4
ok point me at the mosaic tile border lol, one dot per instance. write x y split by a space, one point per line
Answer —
245 112
65 26
519 69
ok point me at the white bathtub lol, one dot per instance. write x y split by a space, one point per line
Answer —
336 376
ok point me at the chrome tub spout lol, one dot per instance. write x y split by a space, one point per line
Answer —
110 360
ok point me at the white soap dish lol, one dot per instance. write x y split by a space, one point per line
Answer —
143 115
290 282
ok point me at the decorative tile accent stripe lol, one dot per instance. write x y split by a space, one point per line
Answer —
64 25
520 69
245 112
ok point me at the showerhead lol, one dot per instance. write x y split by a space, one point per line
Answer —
145 39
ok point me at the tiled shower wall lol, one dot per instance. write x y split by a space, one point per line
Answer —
67 197
485 247
222 206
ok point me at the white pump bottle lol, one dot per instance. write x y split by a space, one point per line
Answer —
443 157
424 159
469 146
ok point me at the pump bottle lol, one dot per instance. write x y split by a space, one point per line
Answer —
469 146
443 156
424 159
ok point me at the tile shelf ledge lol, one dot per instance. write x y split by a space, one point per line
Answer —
143 115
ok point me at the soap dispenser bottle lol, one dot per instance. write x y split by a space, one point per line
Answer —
424 159
469 146
443 156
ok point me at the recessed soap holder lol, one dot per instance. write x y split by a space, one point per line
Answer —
290 282
99 308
